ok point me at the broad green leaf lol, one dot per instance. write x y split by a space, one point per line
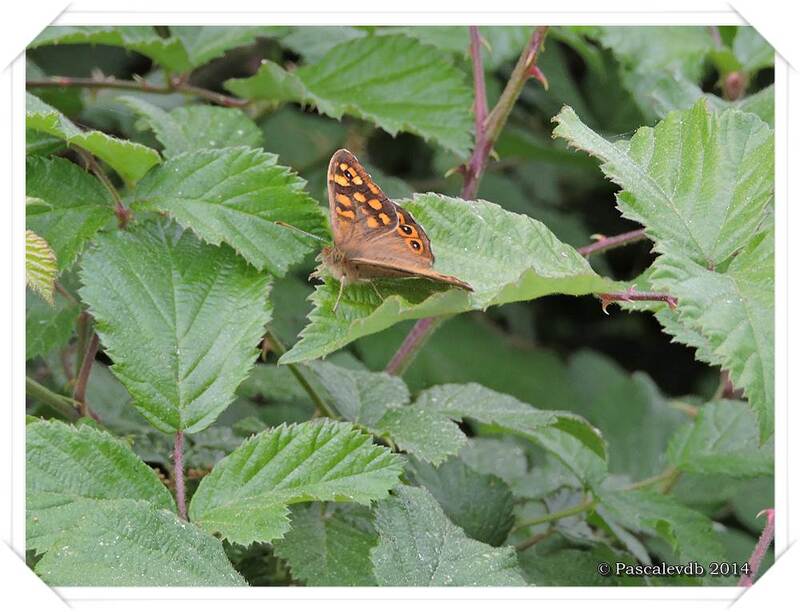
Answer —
313 42
636 420
699 182
181 320
47 326
688 532
41 268
510 258
570 438
235 195
647 51
733 311
204 43
724 439
751 498
428 435
169 52
246 496
482 505
303 140
39 143
66 206
575 567
360 396
393 81
125 542
67 465
188 128
752 50
329 545
419 546
130 160
502 457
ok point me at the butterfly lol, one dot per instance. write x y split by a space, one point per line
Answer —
373 237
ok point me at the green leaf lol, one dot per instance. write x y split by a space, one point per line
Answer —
180 319
235 195
204 43
635 418
125 542
40 266
303 140
169 52
419 546
733 311
528 263
47 326
188 128
430 436
329 545
752 50
313 42
699 182
360 396
482 505
130 160
246 496
724 439
393 81
66 206
67 465
39 143
575 567
688 532
502 457
569 437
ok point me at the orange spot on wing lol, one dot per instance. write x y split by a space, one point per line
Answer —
340 180
373 188
357 180
343 166
360 197
343 200
372 222
401 218
384 218
348 214
376 204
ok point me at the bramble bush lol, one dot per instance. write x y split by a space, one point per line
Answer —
200 415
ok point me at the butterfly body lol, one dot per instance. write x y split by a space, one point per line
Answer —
373 237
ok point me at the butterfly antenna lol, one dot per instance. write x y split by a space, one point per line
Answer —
339 297
297 229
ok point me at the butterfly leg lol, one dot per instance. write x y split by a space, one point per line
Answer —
339 297
375 289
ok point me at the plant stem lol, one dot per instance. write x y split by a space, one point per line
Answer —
180 488
762 546
534 539
668 475
123 212
79 395
606 243
173 85
585 505
487 130
322 406
631 295
64 405
411 345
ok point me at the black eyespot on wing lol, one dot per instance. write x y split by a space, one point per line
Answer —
348 175
406 229
415 245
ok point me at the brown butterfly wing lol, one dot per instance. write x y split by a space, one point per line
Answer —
374 234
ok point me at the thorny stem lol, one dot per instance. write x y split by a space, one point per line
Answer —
322 406
487 130
174 85
123 212
79 395
632 295
605 243
762 546
64 405
180 488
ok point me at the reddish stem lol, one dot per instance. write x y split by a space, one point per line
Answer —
606 243
180 487
631 295
481 106
762 546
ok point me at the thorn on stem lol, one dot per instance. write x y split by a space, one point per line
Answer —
535 72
